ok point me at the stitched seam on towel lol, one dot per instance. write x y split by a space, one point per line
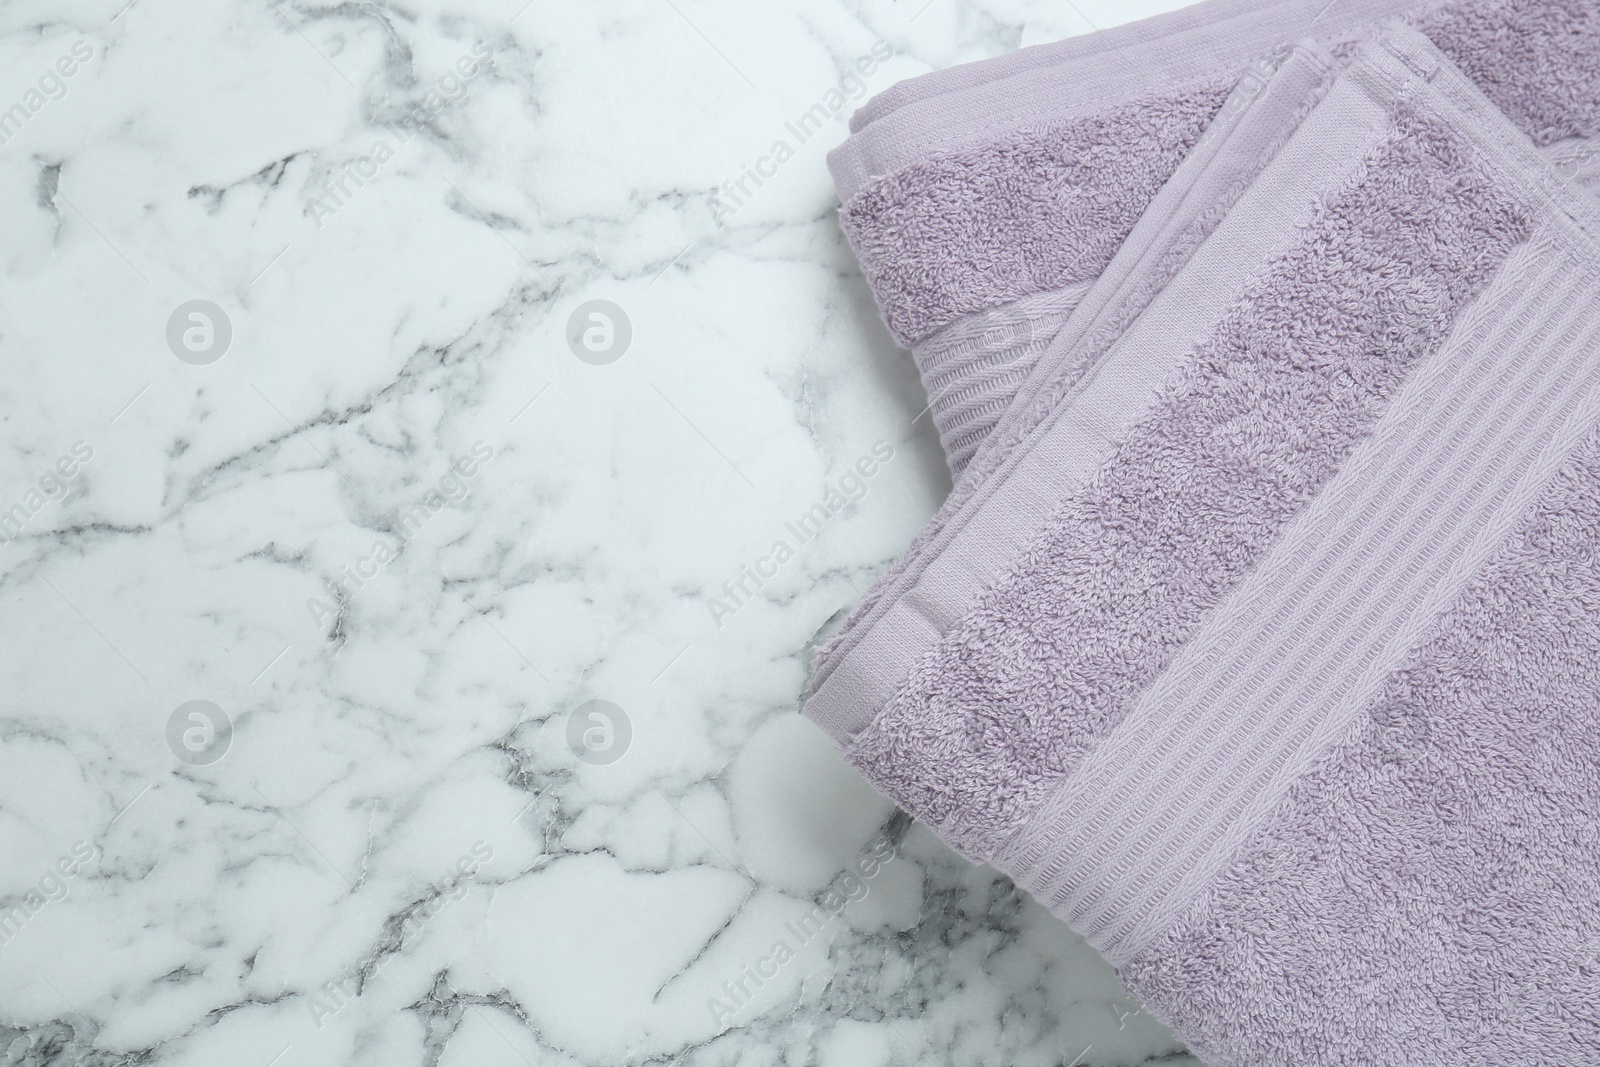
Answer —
1006 682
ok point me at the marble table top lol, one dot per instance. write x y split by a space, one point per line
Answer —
415 421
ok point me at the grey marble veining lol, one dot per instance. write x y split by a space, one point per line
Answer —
399 667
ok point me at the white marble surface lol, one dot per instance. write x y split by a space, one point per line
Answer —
398 858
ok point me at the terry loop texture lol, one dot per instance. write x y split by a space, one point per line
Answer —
1246 432
1259 640
1033 211
1035 206
1443 865
1538 60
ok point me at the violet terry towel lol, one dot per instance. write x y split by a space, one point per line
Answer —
984 201
1260 638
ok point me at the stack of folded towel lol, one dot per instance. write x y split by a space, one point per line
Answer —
1260 635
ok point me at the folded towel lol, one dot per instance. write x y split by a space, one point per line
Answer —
1265 650
984 201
